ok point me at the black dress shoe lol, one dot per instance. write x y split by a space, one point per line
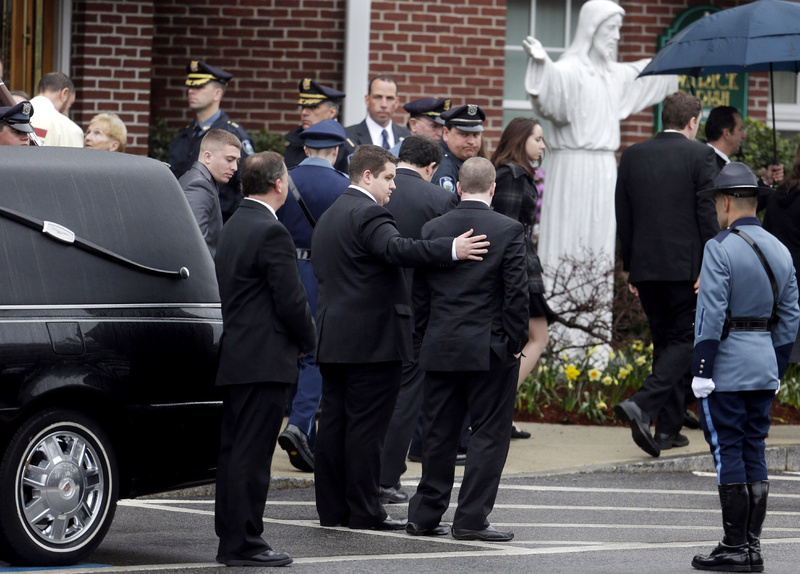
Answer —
518 433
438 530
488 534
690 421
725 558
667 441
268 558
629 412
392 495
295 443
390 523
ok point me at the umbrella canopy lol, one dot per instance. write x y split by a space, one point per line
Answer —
756 37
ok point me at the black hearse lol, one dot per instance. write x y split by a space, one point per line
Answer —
109 326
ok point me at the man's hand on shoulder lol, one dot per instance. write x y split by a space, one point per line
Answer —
470 246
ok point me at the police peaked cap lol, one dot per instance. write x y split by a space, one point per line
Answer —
312 94
429 107
737 180
18 116
198 74
324 134
467 118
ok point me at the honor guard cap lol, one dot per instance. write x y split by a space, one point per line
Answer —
737 180
18 116
198 74
312 94
467 118
429 107
324 134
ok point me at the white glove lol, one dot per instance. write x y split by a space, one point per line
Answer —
702 387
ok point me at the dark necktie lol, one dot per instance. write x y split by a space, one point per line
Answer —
385 136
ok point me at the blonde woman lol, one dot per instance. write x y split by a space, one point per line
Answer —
106 131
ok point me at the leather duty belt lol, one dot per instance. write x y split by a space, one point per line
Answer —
748 324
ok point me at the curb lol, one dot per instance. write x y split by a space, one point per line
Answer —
779 458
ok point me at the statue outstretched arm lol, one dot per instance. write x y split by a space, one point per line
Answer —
544 83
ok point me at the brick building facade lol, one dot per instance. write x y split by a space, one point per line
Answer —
129 56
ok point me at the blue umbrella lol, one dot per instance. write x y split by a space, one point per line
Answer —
757 37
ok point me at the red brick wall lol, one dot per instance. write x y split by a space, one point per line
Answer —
269 46
443 48
111 64
644 21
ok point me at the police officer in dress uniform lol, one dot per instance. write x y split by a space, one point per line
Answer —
425 119
317 103
461 140
319 185
206 85
745 325
15 124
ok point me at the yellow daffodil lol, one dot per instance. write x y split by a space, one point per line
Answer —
612 355
607 380
640 360
623 373
638 345
602 405
594 375
572 372
629 367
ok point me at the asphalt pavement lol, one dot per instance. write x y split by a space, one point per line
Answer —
579 499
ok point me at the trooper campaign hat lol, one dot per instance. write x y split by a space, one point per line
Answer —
324 134
198 74
468 118
18 116
431 108
313 94
737 180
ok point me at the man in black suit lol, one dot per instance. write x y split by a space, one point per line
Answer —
364 324
725 133
474 323
267 324
415 201
663 225
377 128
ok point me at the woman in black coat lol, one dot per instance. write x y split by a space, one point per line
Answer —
519 151
782 219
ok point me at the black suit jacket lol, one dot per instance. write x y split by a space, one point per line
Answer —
265 314
359 134
363 310
662 223
414 203
477 307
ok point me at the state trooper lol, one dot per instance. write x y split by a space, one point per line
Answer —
318 185
461 140
205 87
425 119
745 325
15 124
317 103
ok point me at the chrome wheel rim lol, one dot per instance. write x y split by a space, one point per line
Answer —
61 487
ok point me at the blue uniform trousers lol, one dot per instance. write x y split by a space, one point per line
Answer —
307 395
735 426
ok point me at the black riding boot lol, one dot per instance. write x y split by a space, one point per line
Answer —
758 492
733 553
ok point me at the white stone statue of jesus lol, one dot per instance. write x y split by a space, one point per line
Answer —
585 94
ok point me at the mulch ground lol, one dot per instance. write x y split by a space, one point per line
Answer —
780 415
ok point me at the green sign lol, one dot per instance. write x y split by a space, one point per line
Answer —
715 89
